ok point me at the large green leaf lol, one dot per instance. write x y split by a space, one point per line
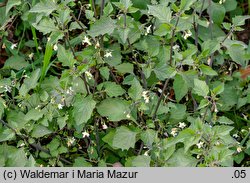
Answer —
124 138
83 108
162 12
44 6
6 134
30 82
15 62
114 108
46 25
40 131
12 3
65 56
105 25
135 91
200 87
180 87
113 89
138 161
218 12
34 114
148 137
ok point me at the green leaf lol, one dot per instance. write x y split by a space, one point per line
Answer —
61 121
138 161
125 68
65 56
104 72
208 70
180 87
182 159
237 53
113 89
16 158
222 130
185 4
240 20
218 12
124 138
218 89
40 131
6 134
10 4
16 119
83 108
105 25
225 120
162 12
230 5
30 82
148 137
15 62
81 162
113 108
135 91
46 25
200 87
163 72
45 6
33 114
178 112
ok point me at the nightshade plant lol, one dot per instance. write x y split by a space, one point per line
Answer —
124 83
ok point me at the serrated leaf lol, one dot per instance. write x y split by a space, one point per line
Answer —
10 4
208 70
33 114
180 87
162 12
65 56
200 87
46 7
40 131
105 25
114 108
46 25
148 137
113 89
225 120
83 108
30 82
124 138
15 62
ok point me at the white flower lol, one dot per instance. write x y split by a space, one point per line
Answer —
108 54
89 75
148 30
7 88
174 131
59 106
13 46
209 60
3 46
145 96
235 135
200 144
97 45
182 125
86 40
39 48
176 47
55 48
187 34
22 144
69 91
31 55
239 149
70 141
146 153
104 126
37 107
222 1
48 39
128 116
85 134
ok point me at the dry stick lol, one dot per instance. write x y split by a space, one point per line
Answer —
94 9
35 146
170 63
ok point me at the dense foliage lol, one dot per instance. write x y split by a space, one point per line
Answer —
124 83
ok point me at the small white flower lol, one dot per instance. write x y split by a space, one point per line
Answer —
89 75
148 30
48 39
70 141
209 60
239 149
182 125
217 143
85 134
37 107
176 47
97 45
55 48
174 131
146 153
108 54
86 40
128 116
31 55
104 126
13 46
7 88
22 144
39 48
69 91
200 144
222 1
3 46
235 135
187 34
59 106
145 95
